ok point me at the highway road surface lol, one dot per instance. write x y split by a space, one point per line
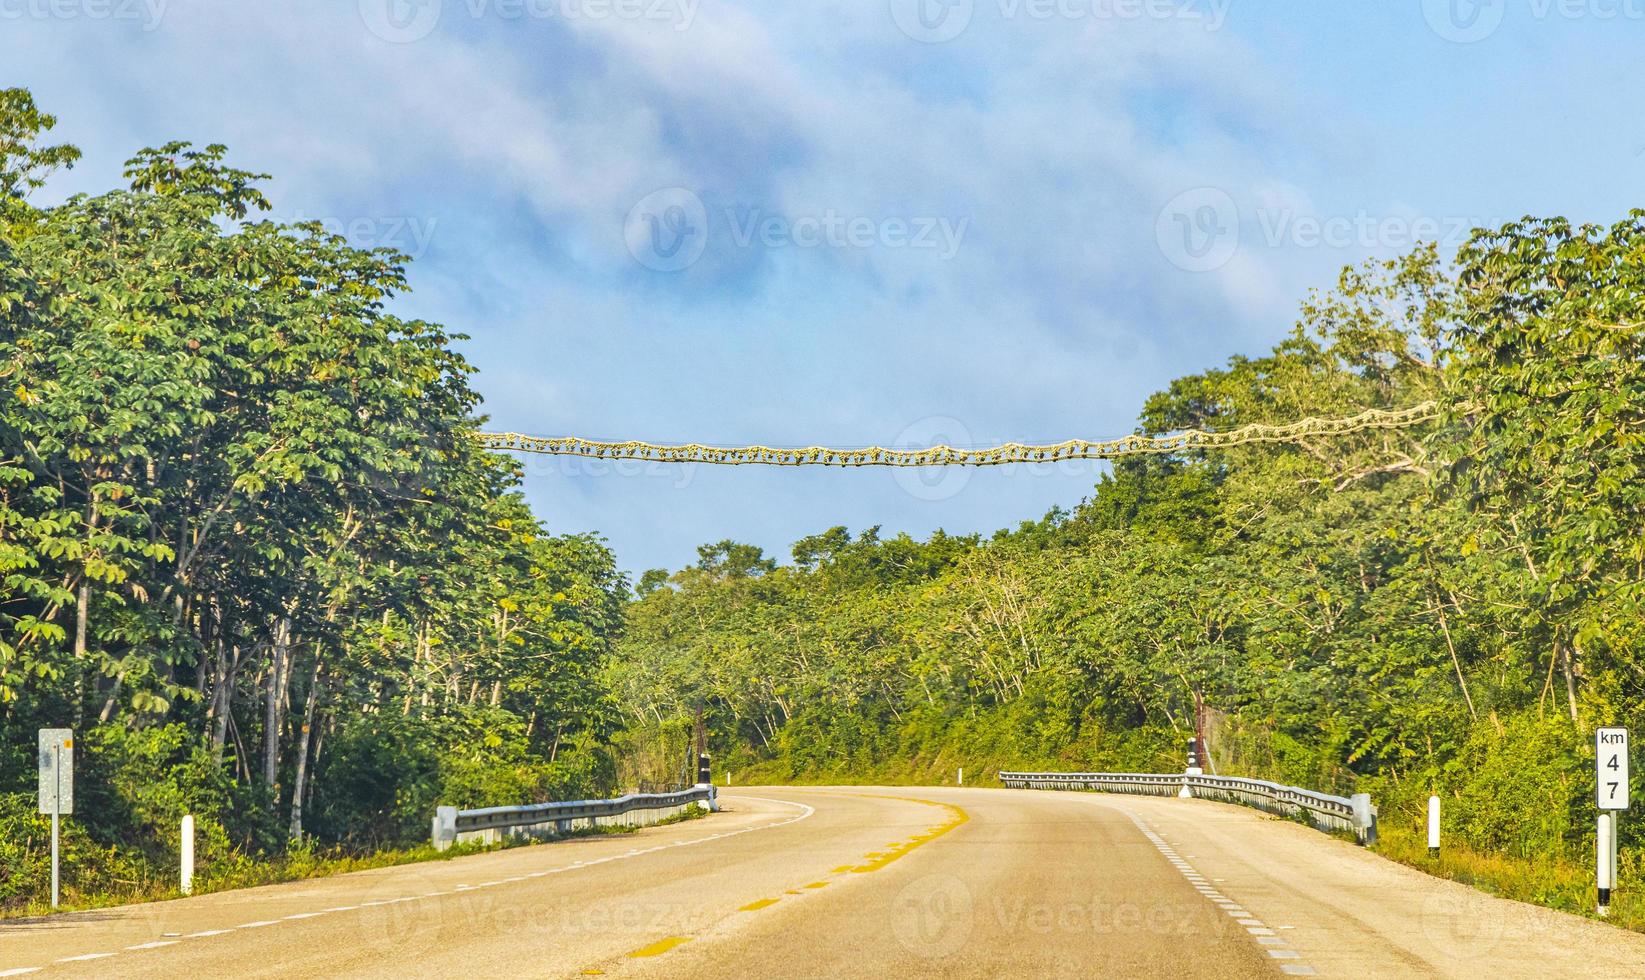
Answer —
860 882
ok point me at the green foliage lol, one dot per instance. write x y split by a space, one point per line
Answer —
1449 609
248 547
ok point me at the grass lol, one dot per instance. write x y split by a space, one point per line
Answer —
1555 882
301 864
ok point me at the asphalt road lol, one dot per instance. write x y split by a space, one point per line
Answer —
867 882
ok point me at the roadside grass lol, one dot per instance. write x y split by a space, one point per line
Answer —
1555 882
299 864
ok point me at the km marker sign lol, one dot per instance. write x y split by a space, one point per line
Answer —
1611 758
1611 793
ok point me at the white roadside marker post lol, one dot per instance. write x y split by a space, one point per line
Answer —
1604 871
961 780
187 854
1611 794
1433 826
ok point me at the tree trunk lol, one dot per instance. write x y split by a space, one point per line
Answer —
277 675
1570 681
302 752
222 702
82 609
113 698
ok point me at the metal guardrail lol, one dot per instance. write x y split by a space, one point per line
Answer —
1355 814
489 824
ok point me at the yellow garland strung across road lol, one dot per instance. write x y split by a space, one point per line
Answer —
1011 452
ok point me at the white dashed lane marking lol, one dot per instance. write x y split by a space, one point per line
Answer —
1287 959
805 811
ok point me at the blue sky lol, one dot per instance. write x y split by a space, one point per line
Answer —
892 222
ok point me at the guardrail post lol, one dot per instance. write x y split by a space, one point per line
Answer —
445 827
1365 818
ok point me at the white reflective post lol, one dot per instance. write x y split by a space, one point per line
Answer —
961 779
1605 861
1433 826
187 849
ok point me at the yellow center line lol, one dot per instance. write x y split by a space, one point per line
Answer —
875 861
879 859
659 947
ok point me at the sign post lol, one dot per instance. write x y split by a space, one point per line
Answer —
1611 794
56 788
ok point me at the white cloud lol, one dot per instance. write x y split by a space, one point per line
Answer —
1056 144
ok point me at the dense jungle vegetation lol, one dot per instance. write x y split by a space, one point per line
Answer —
249 551
1451 608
